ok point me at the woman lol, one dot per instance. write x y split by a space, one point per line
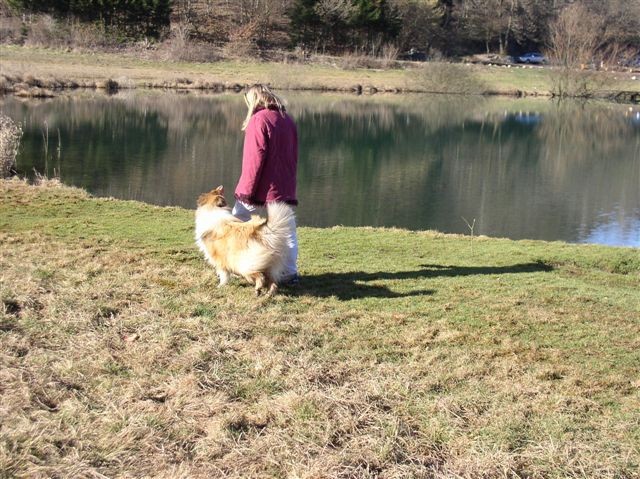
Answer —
269 162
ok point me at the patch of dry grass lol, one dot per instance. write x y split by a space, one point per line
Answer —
10 135
400 355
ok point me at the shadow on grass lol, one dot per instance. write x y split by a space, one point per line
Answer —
352 285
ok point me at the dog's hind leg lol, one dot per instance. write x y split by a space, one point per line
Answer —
270 284
258 279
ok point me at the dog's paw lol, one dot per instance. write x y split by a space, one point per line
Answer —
272 289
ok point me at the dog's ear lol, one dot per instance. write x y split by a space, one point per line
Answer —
202 199
219 190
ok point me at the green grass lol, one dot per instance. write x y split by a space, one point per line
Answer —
400 354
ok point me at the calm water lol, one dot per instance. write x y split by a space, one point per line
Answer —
520 168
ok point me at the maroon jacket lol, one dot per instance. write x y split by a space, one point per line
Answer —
269 159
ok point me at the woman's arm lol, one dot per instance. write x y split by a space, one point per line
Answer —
254 155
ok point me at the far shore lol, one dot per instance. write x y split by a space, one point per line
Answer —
38 72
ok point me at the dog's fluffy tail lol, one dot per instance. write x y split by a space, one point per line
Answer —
281 222
276 234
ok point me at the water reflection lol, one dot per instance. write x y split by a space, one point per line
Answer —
525 117
521 168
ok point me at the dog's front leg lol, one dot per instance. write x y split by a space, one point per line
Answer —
223 276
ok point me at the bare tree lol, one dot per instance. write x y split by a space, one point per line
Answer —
574 39
488 21
421 23
621 20
257 21
575 36
621 31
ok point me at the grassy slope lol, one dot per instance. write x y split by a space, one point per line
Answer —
401 354
92 67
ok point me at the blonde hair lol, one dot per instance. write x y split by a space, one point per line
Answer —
261 96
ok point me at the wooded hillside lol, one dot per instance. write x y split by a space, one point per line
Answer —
427 28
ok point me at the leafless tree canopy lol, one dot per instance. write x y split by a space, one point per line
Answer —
573 31
575 36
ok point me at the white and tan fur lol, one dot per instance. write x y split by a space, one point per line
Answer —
255 249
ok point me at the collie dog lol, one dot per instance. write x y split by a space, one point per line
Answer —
255 249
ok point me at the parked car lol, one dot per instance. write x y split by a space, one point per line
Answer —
414 55
534 58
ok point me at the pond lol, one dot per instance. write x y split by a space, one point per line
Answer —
511 168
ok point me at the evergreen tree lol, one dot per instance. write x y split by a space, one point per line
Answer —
375 18
305 23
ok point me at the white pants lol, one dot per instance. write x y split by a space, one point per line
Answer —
243 211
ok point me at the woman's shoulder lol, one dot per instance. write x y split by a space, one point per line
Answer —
269 116
258 119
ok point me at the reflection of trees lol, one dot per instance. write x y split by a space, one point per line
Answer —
404 161
104 135
204 145
427 168
357 155
592 153
152 147
576 134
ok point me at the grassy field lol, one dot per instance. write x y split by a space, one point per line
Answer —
51 66
400 355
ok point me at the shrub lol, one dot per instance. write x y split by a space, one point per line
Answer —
440 77
566 82
42 30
